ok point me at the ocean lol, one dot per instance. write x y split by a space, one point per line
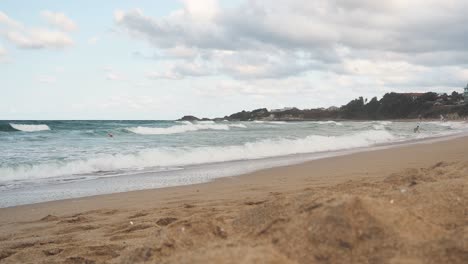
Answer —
52 160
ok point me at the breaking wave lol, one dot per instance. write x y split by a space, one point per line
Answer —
270 122
330 122
187 127
29 128
170 157
451 124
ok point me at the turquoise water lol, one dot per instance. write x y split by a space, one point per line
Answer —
41 154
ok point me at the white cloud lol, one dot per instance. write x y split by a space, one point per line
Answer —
46 79
115 77
169 75
3 52
39 39
180 70
59 20
93 40
181 52
32 38
10 23
349 47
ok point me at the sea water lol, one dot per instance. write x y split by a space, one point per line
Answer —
51 160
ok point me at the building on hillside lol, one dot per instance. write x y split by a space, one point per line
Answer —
281 110
466 94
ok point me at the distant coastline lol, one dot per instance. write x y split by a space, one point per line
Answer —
392 106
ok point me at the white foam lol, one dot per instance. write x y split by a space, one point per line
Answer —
173 157
187 127
330 122
451 124
378 127
29 128
238 125
270 122
205 122
385 123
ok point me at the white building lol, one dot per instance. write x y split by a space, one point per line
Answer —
281 110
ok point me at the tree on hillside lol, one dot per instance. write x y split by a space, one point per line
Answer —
428 97
372 108
395 105
354 109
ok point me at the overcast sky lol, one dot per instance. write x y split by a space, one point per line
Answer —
163 59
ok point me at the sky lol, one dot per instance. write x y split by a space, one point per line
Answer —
209 58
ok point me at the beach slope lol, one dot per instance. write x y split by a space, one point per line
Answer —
399 205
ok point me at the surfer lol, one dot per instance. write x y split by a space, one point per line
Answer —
416 129
110 135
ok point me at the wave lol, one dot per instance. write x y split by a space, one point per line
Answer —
187 127
238 125
451 124
330 122
380 125
270 122
172 157
385 123
206 122
30 128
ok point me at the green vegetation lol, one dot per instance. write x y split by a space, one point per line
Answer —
390 106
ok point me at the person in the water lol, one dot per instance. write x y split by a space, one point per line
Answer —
416 129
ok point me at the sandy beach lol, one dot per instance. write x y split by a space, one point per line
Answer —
399 205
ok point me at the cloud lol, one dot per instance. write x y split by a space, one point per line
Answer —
93 40
181 70
181 52
381 46
254 65
32 38
3 52
39 39
46 79
306 25
169 75
113 75
59 20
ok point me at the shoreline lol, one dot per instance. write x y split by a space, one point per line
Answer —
257 165
347 153
403 204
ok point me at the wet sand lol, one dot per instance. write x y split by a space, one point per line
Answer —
400 205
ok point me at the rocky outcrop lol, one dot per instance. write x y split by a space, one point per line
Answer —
258 114
189 118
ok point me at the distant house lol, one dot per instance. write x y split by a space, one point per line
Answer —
281 110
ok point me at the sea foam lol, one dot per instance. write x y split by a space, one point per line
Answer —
187 127
29 128
172 157
330 122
